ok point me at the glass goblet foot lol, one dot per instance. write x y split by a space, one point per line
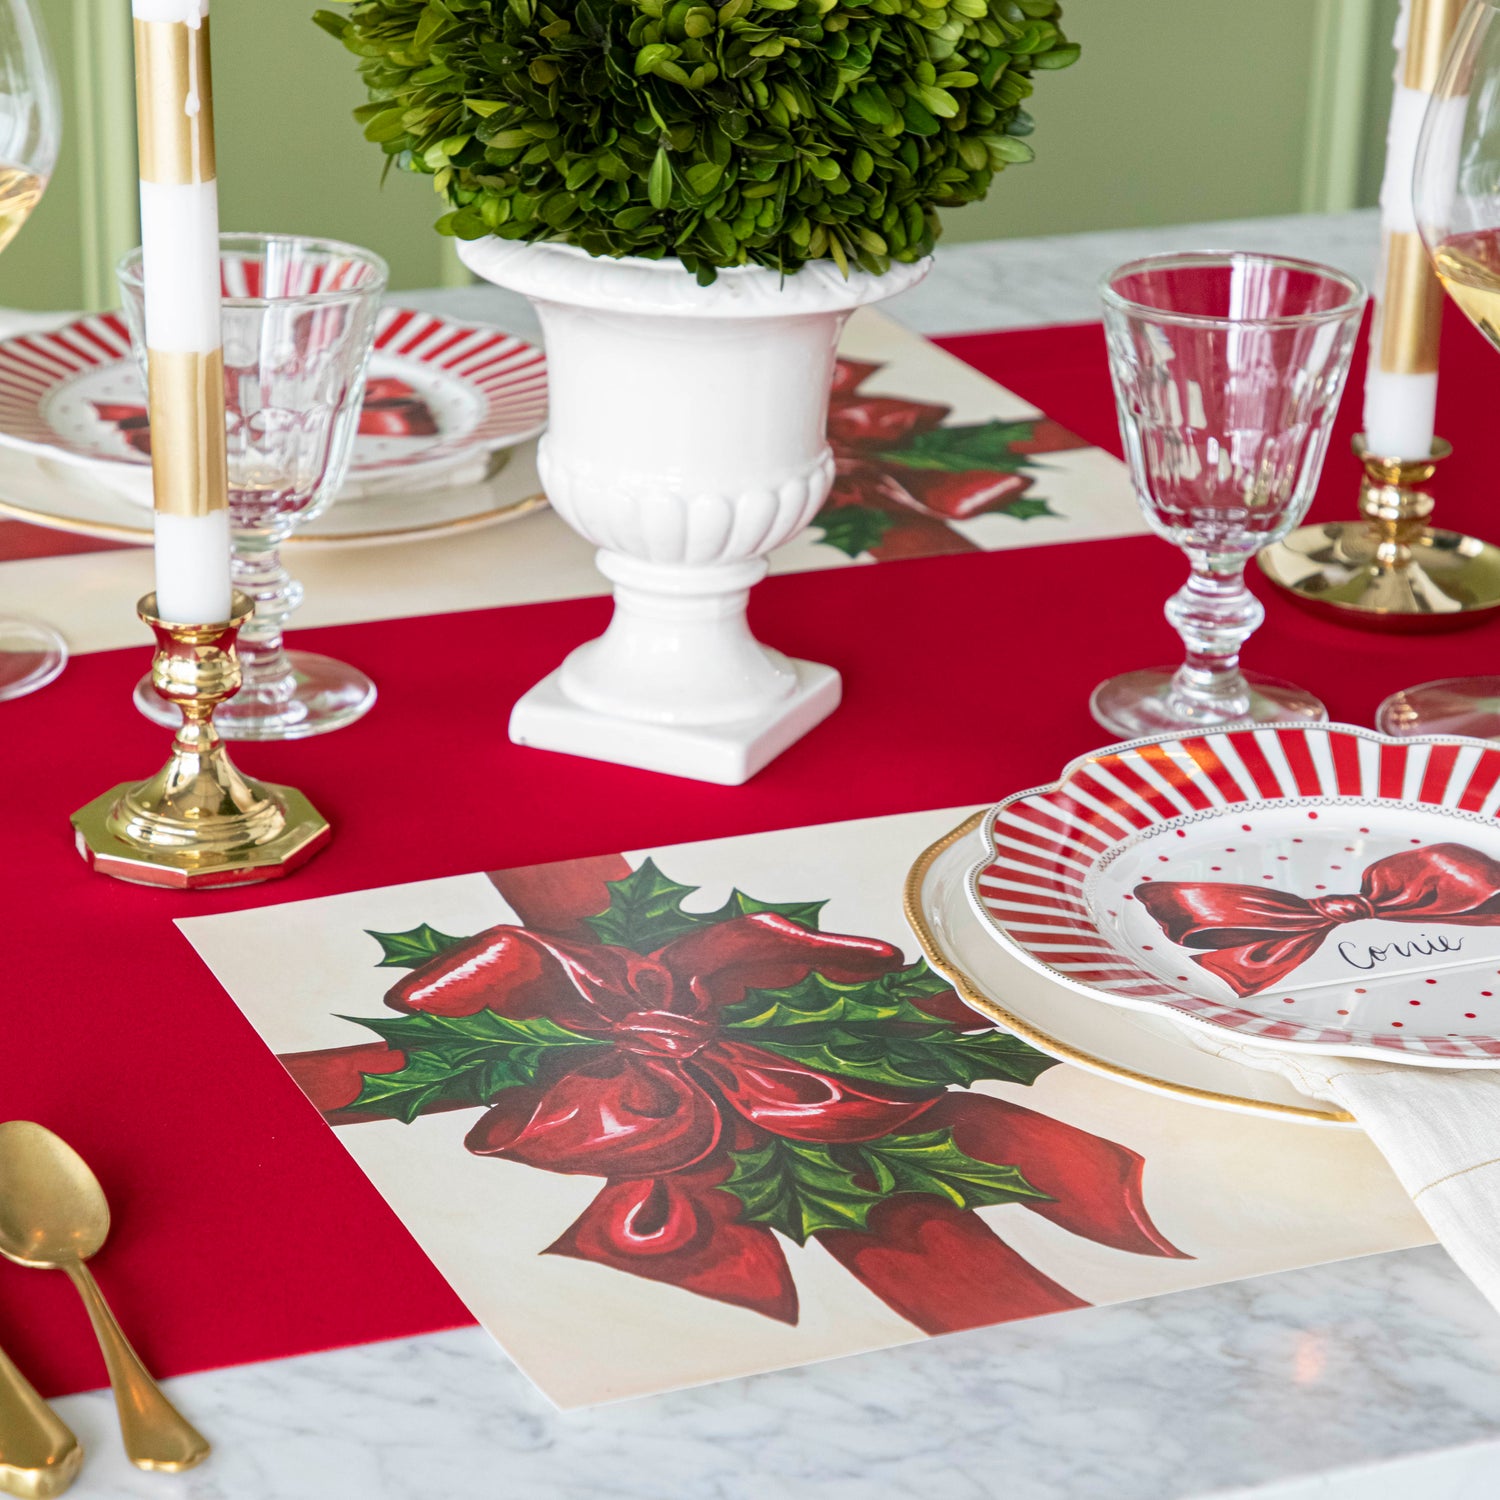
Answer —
1451 705
1136 704
319 694
31 656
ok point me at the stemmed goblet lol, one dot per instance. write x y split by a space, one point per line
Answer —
298 321
31 655
1456 195
1227 371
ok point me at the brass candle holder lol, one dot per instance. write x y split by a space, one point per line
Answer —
198 821
1390 570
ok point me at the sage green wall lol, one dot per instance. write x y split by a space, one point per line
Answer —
1179 110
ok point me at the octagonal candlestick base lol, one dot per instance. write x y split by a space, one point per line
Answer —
1391 569
198 822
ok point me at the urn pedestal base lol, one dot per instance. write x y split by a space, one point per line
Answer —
729 754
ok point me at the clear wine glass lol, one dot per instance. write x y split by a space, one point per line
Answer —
1456 194
298 320
31 654
1227 370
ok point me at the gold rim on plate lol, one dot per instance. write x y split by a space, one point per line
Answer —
972 994
111 531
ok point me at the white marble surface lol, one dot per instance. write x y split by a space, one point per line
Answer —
1022 283
1285 1378
1369 1380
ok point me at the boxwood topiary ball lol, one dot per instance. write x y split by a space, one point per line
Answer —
763 132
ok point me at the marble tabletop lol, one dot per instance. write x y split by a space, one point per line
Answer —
1376 1379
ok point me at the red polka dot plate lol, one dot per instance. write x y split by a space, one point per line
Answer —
1312 888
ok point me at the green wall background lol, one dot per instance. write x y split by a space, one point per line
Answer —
1179 110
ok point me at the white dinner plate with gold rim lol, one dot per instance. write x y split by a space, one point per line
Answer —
1141 1049
61 498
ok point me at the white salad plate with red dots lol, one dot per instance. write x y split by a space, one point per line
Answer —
441 398
1313 888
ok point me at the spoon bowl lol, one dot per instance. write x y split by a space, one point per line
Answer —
52 1209
53 1215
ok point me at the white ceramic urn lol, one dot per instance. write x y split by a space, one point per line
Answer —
686 439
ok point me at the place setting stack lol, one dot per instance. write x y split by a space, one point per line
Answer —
1241 904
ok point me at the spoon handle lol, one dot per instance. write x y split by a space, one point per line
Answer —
155 1433
39 1456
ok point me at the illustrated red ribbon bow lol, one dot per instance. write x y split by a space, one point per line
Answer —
393 409
1257 937
658 1113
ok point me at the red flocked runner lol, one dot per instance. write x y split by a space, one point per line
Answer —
241 1229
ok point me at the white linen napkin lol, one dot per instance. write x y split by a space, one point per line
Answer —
1439 1128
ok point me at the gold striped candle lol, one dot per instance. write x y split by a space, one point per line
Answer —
180 268
1401 383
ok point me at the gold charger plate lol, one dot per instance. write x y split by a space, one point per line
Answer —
49 494
1142 1050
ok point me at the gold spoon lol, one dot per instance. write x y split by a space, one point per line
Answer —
53 1214
39 1456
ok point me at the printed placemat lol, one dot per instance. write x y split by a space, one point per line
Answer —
677 1115
932 458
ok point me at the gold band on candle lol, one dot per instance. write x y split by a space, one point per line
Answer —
1429 31
188 469
1410 309
174 102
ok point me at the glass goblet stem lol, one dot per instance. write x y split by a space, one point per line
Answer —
268 676
1215 614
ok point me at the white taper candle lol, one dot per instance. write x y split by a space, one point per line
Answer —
1401 381
180 269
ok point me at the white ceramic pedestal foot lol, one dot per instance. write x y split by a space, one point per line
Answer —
729 754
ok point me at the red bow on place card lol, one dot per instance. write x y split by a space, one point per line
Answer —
1257 937
132 421
730 1075
393 409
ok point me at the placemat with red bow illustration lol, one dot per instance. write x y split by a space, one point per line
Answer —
689 1113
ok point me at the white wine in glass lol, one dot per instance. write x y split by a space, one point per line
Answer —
31 655
1456 195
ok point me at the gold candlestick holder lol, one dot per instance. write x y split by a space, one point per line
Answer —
1390 570
198 821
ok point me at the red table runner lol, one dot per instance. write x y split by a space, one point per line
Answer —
242 1230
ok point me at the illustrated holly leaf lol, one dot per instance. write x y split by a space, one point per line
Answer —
853 529
1025 507
819 1001
956 450
413 948
798 1188
933 1163
936 1057
463 1060
804 913
645 911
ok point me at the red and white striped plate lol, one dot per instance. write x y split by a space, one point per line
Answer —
1317 888
439 394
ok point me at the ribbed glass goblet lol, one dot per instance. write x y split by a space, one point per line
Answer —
298 319
31 654
1227 370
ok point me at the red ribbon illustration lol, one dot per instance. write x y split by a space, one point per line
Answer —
667 1093
868 432
393 409
1257 937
